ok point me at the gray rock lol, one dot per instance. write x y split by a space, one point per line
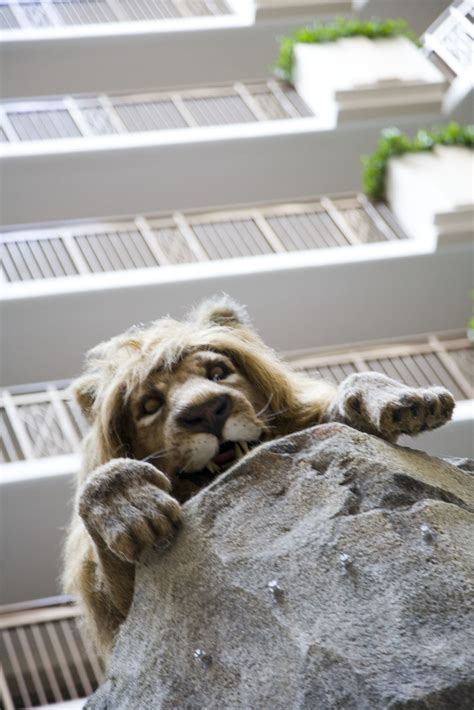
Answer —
328 569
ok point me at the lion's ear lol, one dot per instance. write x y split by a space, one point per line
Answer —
84 390
222 310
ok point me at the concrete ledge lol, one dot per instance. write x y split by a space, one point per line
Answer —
347 301
181 169
44 62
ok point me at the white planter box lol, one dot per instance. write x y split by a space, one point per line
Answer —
359 78
432 194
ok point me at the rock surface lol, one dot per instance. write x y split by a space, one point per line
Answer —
328 569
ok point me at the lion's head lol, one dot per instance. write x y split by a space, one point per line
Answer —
191 396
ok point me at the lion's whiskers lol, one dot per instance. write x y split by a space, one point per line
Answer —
156 454
274 414
182 469
264 409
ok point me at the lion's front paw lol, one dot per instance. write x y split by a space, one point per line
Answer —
377 404
417 410
125 506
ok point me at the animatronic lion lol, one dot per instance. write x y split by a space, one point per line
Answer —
173 404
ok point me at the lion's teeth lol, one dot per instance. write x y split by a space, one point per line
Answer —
244 446
238 451
213 468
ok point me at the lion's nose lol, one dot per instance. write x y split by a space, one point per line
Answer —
208 417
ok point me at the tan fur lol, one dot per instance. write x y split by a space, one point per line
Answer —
124 503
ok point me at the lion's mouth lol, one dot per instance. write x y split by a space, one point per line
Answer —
229 452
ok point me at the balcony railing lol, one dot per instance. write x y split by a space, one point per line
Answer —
70 250
65 13
46 657
69 117
448 42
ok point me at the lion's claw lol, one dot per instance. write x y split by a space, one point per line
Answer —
126 507
376 404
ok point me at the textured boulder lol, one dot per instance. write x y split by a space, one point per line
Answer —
328 569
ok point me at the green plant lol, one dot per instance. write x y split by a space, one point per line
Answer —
332 31
470 327
393 143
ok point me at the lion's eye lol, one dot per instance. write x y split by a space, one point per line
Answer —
150 405
218 372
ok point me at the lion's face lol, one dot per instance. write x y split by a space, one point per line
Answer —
189 396
197 420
